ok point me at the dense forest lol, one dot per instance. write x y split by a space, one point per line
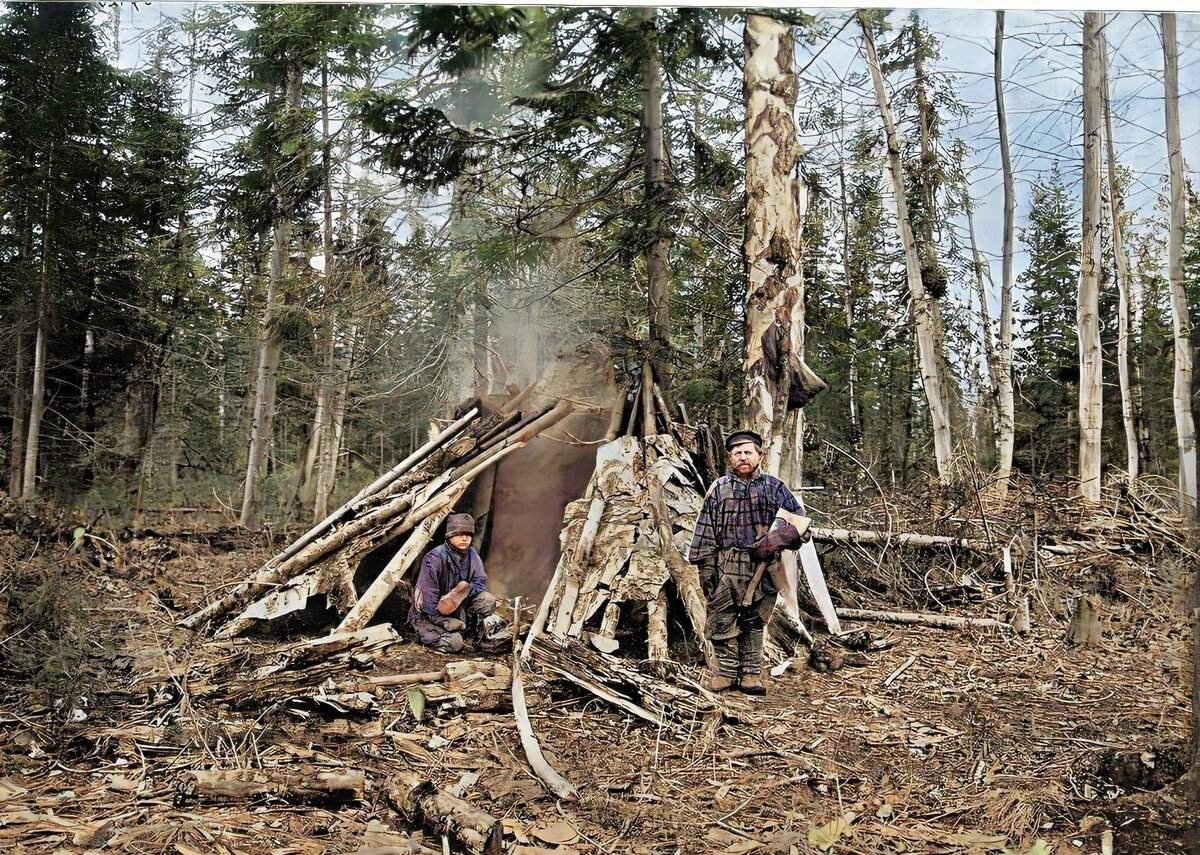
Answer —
247 269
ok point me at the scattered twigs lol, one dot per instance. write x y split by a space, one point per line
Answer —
904 666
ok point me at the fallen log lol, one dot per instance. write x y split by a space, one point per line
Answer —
304 784
420 802
922 619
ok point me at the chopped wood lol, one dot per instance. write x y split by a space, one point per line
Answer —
923 619
421 802
302 784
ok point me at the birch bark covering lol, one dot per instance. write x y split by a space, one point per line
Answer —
1122 260
1184 425
775 204
1006 408
1088 307
929 343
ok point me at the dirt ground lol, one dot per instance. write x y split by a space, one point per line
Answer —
947 741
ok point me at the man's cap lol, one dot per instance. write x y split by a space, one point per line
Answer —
460 524
740 436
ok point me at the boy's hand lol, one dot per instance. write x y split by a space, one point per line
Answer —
450 601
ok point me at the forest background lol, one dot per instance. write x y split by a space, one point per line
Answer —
247 253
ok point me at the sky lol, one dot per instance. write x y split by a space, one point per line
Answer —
1042 89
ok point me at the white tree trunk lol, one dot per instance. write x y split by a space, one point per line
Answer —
1088 306
1122 263
16 448
1005 414
775 206
979 265
1185 427
929 341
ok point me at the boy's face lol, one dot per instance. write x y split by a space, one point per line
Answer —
461 541
744 458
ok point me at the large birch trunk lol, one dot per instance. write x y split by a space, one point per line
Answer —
775 205
1185 427
16 450
979 265
1005 414
929 343
658 271
1122 264
1088 307
270 346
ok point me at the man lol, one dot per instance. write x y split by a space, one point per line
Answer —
732 548
450 601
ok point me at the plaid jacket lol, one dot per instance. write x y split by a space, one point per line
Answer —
732 516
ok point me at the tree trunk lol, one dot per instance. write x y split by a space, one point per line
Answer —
270 346
1122 263
776 200
327 473
929 342
1005 415
16 451
1185 427
1088 308
657 194
37 396
985 321
848 302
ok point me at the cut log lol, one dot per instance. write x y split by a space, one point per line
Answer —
922 619
297 784
1084 630
420 802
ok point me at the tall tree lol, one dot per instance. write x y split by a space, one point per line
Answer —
1005 415
1185 426
1129 418
657 193
1088 305
929 341
776 199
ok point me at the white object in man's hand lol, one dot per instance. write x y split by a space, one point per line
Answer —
451 600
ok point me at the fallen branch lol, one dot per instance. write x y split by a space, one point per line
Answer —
541 767
939 621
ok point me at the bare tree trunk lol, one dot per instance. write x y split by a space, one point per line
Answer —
658 271
1122 263
1005 414
270 347
929 343
327 473
16 451
775 205
1185 427
985 321
1088 309
37 395
848 302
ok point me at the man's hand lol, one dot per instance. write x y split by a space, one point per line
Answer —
450 601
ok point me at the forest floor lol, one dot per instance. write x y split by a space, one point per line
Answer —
985 742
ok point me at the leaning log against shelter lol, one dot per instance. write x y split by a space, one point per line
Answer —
415 500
